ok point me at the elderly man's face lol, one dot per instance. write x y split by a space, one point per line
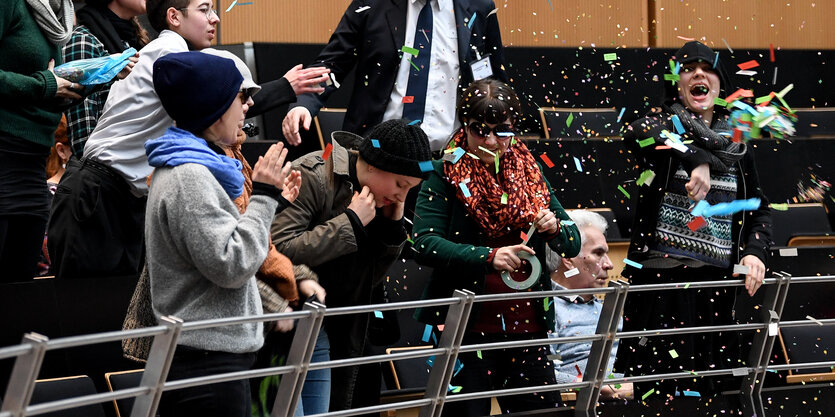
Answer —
593 261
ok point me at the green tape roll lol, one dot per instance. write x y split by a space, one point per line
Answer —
536 270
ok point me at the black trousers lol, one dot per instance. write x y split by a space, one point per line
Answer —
96 227
226 399
24 207
500 369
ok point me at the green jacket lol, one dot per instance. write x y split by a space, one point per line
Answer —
27 89
454 246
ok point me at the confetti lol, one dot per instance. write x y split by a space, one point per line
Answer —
425 166
414 122
692 394
327 152
455 155
697 223
362 9
454 389
478 353
720 102
634 265
547 160
779 206
504 198
464 189
673 353
487 151
814 320
672 77
571 272
427 331
378 314
408 99
741 269
472 20
569 120
788 252
703 208
622 110
726 44
503 326
647 394
748 65
375 143
409 50
621 189
610 57
677 124
646 178
577 164
646 142
492 12
716 59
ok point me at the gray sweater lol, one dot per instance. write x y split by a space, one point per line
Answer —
203 255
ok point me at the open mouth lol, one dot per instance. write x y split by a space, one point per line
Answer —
699 91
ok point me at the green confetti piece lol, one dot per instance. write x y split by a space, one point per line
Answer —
762 99
569 120
647 394
414 66
779 206
623 191
478 353
496 158
610 57
504 198
487 151
409 50
646 142
546 303
784 104
617 386
672 65
647 175
672 77
720 102
673 353
686 286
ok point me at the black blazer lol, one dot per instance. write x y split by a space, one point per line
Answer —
371 41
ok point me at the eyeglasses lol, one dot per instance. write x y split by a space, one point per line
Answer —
245 95
502 131
208 12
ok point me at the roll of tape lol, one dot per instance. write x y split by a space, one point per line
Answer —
536 270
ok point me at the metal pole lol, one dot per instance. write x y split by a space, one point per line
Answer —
301 352
601 350
156 369
751 390
24 373
444 365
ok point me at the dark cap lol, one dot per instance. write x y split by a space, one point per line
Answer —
397 147
695 51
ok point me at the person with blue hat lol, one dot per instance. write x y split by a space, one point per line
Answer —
202 253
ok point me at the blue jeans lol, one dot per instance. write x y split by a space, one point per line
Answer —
316 393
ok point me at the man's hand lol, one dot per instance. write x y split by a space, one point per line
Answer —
363 205
626 391
298 116
310 287
699 183
506 259
756 273
307 80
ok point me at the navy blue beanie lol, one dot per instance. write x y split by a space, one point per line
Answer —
196 88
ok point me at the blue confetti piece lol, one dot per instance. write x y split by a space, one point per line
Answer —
434 339
566 222
677 123
375 143
464 189
716 59
472 20
678 68
425 166
622 110
231 6
502 316
705 209
693 393
426 333
430 361
378 314
458 367
633 264
577 164
414 122
459 152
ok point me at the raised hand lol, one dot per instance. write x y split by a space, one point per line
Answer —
362 203
307 80
298 116
546 222
270 168
292 183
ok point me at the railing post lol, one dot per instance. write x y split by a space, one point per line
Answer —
444 365
24 373
751 390
301 352
607 325
156 369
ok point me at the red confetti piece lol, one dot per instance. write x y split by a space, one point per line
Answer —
327 153
524 236
408 99
696 223
737 135
748 65
739 93
771 51
547 160
660 147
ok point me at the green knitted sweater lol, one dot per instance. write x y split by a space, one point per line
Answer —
27 89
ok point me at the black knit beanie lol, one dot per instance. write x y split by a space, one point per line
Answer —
694 51
397 147
196 88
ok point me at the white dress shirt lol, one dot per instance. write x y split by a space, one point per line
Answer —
132 115
439 114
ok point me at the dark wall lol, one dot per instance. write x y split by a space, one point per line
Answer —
573 77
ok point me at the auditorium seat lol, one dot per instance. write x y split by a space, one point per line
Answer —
48 390
123 380
804 345
328 121
585 122
797 220
814 122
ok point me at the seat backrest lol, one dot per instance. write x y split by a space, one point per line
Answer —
328 120
559 122
815 122
48 390
804 345
123 380
409 373
799 219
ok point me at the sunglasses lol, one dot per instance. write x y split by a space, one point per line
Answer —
502 131
246 95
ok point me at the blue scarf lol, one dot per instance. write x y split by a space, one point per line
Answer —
178 147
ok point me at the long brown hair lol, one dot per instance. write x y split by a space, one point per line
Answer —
141 33
54 162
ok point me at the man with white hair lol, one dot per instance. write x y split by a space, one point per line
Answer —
578 315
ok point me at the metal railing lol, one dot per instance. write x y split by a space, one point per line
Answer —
30 353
